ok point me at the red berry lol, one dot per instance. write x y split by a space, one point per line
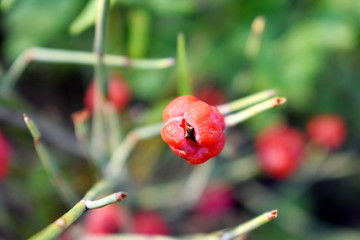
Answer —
106 220
193 129
5 154
212 95
118 93
280 150
216 200
327 130
150 223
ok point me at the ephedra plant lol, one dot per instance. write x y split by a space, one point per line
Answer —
193 129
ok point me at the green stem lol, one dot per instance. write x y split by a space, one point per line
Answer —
243 115
246 101
49 164
40 54
231 234
98 138
54 230
184 83
250 225
81 128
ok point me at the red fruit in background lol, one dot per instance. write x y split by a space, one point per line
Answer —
217 199
106 220
193 129
212 95
280 150
150 223
5 154
119 93
327 130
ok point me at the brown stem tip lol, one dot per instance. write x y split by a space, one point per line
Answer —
81 116
278 101
272 214
120 195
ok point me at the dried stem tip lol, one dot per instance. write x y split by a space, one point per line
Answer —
120 195
272 214
26 117
81 116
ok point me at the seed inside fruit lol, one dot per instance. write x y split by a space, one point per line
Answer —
189 132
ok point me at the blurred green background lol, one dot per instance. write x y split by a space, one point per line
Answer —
309 52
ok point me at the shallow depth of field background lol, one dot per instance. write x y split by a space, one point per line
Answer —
309 53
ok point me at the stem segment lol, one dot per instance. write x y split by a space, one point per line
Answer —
246 101
49 164
74 57
241 116
56 228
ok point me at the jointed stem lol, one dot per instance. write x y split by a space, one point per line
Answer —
50 165
48 55
249 112
246 101
56 228
98 138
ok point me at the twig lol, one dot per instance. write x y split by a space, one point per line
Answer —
49 164
74 57
250 225
241 116
246 101
98 134
56 228
218 235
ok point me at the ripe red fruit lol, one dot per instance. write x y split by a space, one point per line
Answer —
280 150
216 200
193 129
106 220
150 223
327 130
212 95
5 154
118 93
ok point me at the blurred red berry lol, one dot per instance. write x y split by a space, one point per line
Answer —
150 223
212 95
119 93
216 200
106 220
193 129
5 154
327 130
280 150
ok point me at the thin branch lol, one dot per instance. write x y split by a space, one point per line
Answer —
48 55
231 234
243 115
250 225
61 224
246 101
49 164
